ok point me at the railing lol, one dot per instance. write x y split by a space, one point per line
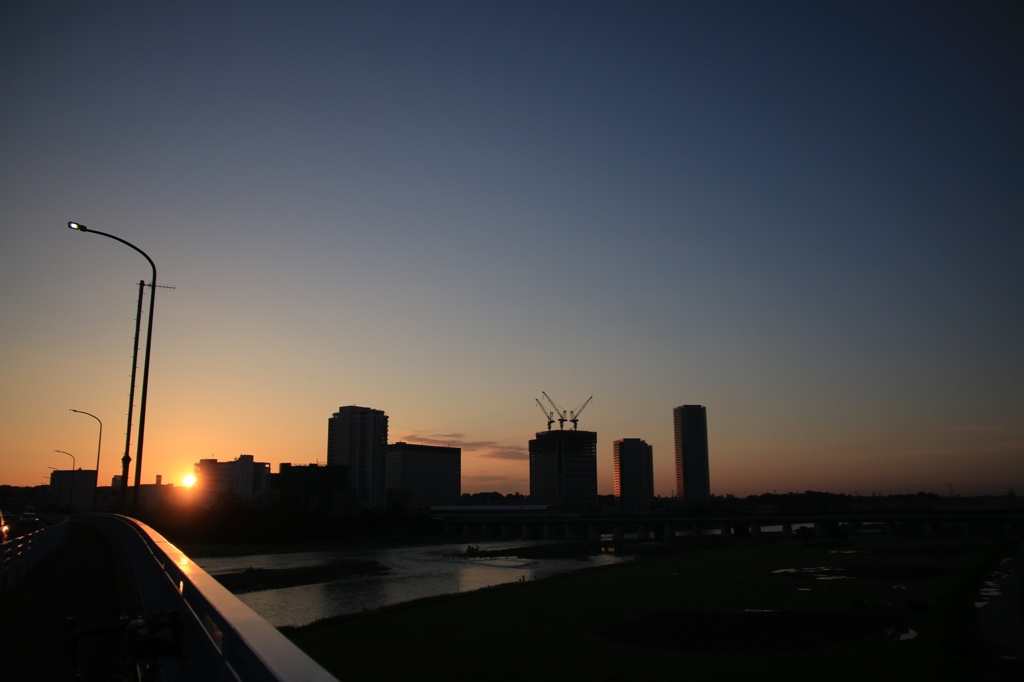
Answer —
20 555
221 638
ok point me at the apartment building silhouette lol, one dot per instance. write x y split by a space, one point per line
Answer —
357 438
633 463
693 481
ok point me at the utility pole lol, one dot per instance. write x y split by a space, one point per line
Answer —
127 459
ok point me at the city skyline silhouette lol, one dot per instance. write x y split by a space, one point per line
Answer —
806 218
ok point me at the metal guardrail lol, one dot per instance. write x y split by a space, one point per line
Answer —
221 637
20 555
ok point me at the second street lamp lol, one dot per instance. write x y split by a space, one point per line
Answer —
145 364
65 452
71 485
99 444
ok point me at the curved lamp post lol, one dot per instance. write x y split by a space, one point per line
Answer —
64 452
145 368
71 486
99 444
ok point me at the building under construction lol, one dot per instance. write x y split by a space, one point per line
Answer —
563 463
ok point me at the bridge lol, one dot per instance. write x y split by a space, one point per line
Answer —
85 567
539 522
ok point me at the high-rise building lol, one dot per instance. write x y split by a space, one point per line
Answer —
633 460
693 482
563 469
422 476
357 438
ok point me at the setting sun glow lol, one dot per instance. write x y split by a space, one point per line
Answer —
188 481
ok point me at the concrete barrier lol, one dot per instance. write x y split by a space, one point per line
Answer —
221 637
19 555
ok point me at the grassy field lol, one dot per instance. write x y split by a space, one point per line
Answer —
764 610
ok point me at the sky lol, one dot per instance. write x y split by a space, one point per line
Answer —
806 216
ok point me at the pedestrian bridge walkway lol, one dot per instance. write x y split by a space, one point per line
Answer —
66 587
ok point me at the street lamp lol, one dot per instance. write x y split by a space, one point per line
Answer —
69 455
71 485
99 443
145 369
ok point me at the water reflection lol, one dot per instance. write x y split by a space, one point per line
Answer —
991 589
414 573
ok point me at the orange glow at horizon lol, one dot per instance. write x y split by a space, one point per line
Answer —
188 480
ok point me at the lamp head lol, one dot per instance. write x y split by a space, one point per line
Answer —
77 226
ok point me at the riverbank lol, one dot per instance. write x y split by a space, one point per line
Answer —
747 609
257 578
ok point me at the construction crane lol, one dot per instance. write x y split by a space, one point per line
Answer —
559 411
575 418
550 416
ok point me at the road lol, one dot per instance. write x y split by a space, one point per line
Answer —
80 580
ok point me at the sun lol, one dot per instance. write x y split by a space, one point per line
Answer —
188 481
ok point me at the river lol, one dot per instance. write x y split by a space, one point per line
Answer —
414 573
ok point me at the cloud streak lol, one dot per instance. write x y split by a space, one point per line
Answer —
488 449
